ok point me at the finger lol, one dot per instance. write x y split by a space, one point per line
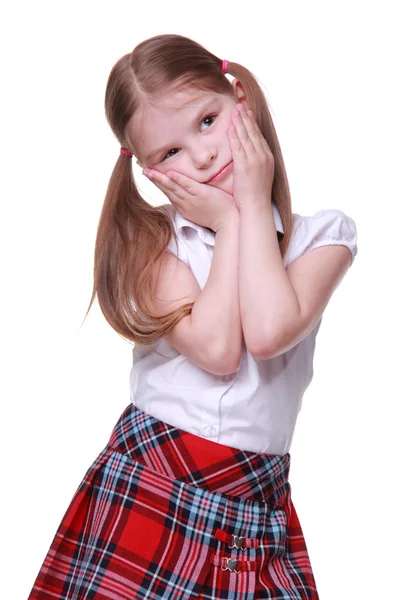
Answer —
253 130
164 182
235 143
242 132
258 135
190 186
166 189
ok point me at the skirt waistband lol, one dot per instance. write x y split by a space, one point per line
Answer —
183 456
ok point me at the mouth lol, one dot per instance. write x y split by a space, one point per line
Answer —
222 173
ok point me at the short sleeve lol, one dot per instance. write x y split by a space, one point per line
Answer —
178 249
324 228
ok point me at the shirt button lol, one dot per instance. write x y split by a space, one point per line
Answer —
227 377
210 430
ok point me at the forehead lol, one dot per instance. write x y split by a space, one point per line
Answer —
172 102
161 118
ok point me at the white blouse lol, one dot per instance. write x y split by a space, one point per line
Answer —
254 408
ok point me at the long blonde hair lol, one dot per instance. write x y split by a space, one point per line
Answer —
132 235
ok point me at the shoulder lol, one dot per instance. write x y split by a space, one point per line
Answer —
323 228
177 249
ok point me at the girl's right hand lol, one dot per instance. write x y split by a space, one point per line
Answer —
200 203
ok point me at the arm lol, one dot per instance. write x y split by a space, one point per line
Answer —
267 298
280 307
211 336
216 311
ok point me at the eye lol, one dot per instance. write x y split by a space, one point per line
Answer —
212 117
169 154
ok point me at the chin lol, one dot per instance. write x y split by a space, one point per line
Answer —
227 187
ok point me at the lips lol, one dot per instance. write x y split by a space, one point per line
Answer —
222 173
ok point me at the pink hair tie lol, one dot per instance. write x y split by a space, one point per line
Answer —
126 152
224 67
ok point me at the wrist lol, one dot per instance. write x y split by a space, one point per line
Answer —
255 204
231 217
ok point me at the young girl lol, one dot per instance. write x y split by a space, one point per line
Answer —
223 299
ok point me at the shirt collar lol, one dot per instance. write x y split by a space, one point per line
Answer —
208 236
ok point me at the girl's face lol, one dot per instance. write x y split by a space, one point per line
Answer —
187 132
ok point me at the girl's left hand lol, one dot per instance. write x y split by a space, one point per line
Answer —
253 161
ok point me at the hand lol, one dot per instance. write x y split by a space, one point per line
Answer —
200 203
253 161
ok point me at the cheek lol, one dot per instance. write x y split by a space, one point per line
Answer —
227 124
179 164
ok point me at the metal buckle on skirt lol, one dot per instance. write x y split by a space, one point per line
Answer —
230 564
238 542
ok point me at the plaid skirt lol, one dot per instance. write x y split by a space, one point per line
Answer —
164 514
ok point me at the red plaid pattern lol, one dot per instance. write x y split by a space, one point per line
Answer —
164 514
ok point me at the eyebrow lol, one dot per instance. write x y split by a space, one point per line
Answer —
163 148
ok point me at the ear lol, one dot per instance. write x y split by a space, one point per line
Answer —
238 90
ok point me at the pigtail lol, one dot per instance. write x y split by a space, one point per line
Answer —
131 238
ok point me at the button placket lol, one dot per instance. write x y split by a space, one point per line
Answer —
210 430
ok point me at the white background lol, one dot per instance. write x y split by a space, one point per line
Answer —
331 79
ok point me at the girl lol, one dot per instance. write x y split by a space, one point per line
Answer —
223 299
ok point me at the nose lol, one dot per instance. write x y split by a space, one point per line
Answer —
204 156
